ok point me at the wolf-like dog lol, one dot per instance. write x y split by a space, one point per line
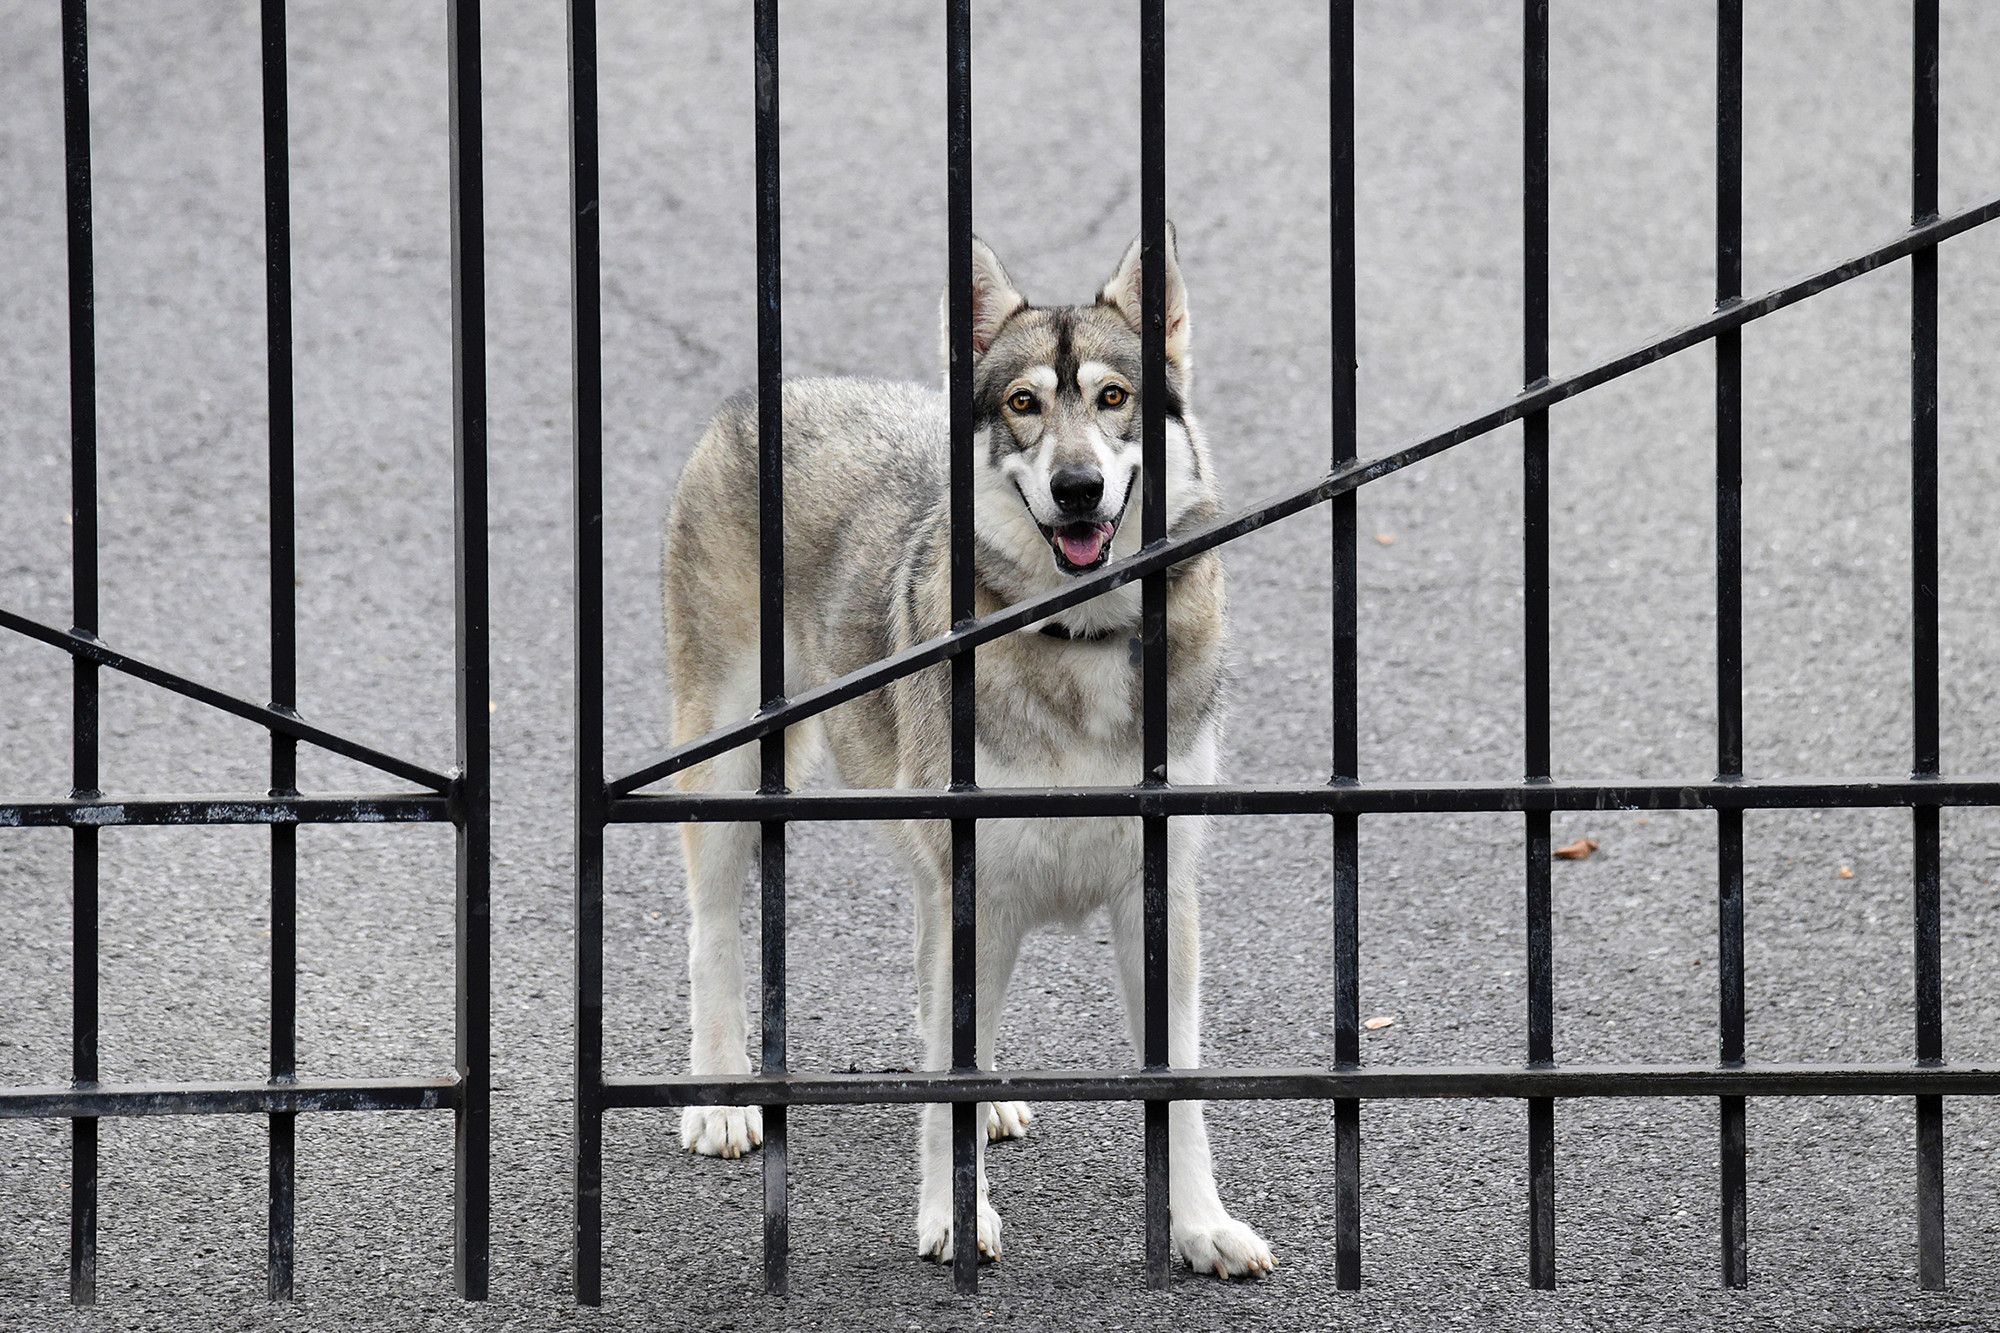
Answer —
867 573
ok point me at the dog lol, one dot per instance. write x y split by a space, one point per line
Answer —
867 574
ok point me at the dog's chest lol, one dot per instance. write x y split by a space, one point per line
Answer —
1065 716
1044 702
1056 870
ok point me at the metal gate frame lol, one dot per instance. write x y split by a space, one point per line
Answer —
460 798
1539 1079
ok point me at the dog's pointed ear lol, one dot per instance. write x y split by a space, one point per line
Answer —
994 297
1122 293
994 301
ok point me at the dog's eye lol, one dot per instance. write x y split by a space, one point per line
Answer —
1114 395
1022 401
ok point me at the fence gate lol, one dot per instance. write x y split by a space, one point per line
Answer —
1538 1079
459 798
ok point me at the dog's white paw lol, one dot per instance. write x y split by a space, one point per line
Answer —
934 1233
721 1131
1224 1247
1008 1120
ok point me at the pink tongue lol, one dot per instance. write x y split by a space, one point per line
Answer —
1080 545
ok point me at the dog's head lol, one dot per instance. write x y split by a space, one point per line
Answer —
1056 409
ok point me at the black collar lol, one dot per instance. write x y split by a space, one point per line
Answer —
1055 629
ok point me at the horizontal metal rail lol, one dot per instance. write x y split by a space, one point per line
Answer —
91 649
275 1096
416 808
1309 799
1308 1083
1340 481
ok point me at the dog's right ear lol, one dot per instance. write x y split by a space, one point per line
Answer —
994 301
994 297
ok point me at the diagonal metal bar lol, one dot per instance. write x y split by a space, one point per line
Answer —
89 649
1340 481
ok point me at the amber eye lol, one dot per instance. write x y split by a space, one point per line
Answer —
1114 395
1022 401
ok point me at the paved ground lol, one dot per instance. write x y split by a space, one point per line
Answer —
1827 546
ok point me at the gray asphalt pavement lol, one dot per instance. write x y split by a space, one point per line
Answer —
182 419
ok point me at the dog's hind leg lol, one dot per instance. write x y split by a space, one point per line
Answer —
717 858
1205 1235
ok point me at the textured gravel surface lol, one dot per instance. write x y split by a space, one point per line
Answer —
182 419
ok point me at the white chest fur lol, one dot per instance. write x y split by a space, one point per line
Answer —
1062 870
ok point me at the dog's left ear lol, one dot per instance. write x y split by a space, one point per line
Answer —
1123 295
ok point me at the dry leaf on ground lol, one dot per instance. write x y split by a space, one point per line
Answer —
1577 850
1385 539
1847 872
1380 1021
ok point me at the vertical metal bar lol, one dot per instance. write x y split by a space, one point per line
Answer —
83 593
777 1164
587 534
1729 626
1923 390
283 1139
1924 396
1346 656
1735 1147
284 638
965 1126
1153 601
1930 1192
1347 1053
1535 543
472 787
1924 613
1729 390
771 624
1535 357
1346 662
1159 1204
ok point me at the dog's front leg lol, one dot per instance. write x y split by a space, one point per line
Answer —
999 946
717 855
1205 1235
999 950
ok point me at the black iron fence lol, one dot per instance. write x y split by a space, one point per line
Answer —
459 797
1539 1080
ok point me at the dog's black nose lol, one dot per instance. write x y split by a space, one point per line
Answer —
1076 490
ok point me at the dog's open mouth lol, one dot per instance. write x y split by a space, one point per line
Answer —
1080 547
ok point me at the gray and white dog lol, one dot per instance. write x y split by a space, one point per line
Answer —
867 571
